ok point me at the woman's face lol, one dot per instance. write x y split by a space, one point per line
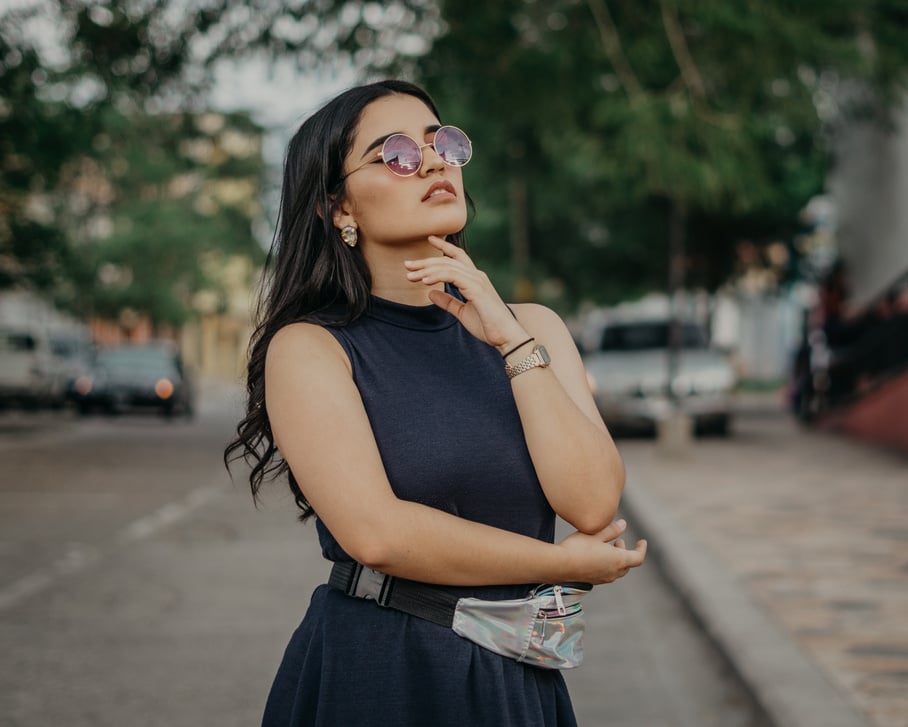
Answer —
390 210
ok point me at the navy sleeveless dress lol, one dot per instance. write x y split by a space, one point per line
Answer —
447 427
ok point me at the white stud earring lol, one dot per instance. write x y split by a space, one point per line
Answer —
349 235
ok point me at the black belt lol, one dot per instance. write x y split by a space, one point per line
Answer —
417 599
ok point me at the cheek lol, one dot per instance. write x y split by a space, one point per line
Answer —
385 200
379 206
366 200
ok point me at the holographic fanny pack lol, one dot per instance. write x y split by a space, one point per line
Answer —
545 629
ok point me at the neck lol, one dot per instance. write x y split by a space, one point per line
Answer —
389 276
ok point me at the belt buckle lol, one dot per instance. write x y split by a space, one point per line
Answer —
370 584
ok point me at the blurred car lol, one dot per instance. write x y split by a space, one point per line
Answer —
135 377
30 374
628 375
75 354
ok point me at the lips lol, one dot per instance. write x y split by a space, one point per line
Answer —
438 189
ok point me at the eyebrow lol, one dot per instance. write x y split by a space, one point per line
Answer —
381 140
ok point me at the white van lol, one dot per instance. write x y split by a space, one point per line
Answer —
30 374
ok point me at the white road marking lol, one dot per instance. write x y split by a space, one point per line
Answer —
24 588
79 557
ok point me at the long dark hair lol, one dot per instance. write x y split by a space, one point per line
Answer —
310 274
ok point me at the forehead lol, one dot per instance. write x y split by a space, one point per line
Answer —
390 114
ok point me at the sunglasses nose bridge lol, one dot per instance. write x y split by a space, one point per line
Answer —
425 159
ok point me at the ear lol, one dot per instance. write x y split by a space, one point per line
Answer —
342 215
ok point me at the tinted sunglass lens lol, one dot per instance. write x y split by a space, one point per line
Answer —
453 146
401 155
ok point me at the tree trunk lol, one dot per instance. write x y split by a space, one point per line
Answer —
520 240
676 270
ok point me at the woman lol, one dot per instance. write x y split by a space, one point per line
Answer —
417 417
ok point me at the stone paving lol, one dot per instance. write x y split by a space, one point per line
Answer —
816 528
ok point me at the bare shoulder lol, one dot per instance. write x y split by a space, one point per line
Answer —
304 344
307 373
547 327
538 319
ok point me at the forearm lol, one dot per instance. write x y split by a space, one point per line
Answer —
576 461
422 543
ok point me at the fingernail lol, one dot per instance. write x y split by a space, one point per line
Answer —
621 522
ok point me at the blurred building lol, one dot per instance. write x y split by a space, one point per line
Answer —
215 339
859 352
869 189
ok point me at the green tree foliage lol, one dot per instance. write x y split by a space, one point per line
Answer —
618 113
183 188
36 136
603 128
110 203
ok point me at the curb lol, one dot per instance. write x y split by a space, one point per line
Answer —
783 680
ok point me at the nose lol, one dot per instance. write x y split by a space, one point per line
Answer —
431 160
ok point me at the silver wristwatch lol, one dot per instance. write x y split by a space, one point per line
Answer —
539 358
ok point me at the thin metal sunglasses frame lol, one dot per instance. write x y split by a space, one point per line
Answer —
419 148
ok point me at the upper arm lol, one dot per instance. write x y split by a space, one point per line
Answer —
548 329
321 428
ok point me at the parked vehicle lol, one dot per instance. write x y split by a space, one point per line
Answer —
75 354
628 373
136 377
30 374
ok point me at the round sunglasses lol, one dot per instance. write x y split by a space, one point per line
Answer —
403 155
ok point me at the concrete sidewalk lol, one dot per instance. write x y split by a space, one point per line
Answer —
791 548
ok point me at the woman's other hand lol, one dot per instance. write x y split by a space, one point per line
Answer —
603 557
484 314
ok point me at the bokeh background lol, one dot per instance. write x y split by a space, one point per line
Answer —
739 155
738 167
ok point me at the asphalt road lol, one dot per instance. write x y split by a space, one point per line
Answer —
139 586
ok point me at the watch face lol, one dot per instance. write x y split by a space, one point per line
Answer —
544 355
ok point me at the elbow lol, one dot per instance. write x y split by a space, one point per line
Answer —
373 553
594 521
378 538
597 514
377 548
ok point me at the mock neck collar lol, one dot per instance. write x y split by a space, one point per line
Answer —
417 317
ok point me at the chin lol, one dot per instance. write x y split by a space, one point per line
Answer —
448 224
446 232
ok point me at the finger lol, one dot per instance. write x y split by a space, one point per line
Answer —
612 530
439 263
620 544
447 272
630 559
433 275
450 250
636 556
436 265
421 265
446 302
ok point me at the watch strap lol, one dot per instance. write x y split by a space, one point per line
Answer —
539 358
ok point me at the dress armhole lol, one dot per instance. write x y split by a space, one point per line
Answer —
341 337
